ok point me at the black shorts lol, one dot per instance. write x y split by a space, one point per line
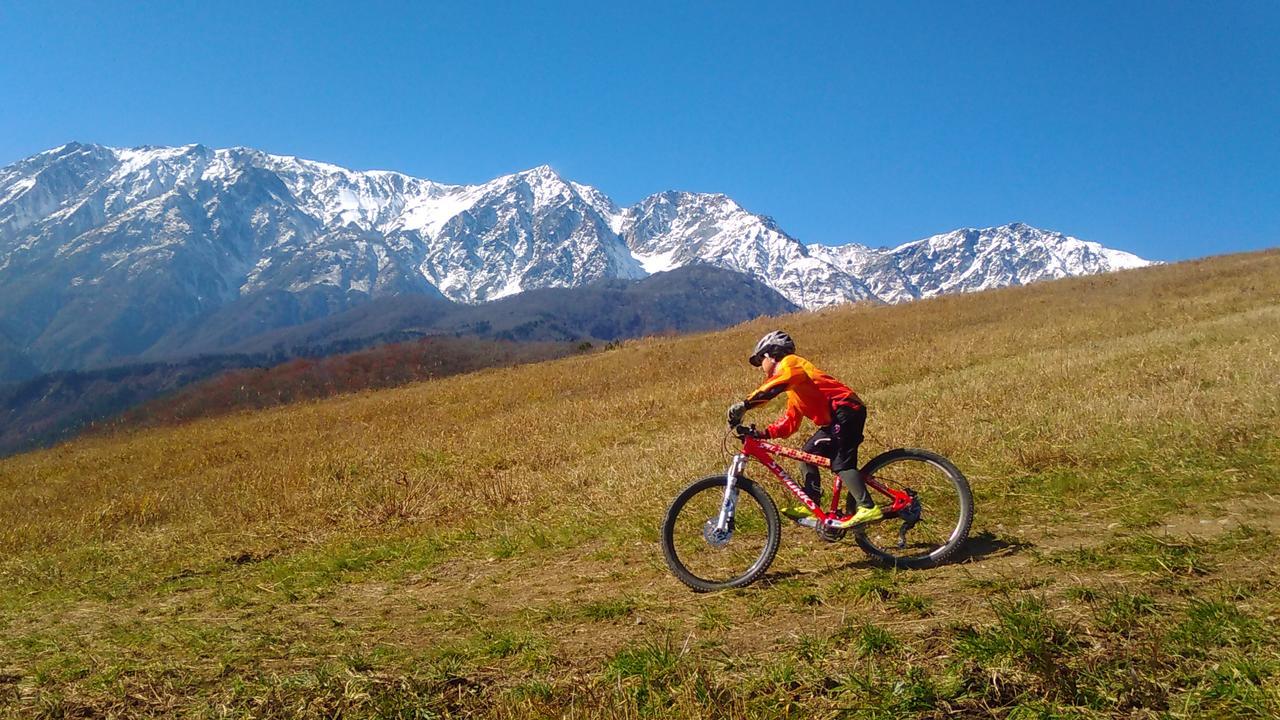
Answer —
839 441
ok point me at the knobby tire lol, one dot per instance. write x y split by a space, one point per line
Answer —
747 491
952 490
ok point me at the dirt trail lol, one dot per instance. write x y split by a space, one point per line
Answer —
813 587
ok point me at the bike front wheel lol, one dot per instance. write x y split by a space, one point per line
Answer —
706 560
935 526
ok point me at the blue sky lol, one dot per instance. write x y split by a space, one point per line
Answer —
1152 127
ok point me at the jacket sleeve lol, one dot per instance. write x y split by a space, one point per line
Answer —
774 386
787 423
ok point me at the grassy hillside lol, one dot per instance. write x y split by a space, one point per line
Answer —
487 544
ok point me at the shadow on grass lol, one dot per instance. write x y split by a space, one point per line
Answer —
986 545
770 578
980 547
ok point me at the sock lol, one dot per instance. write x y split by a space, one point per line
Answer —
858 494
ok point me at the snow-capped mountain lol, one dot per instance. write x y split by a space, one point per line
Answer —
110 253
968 260
677 228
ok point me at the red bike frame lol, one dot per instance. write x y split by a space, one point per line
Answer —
762 451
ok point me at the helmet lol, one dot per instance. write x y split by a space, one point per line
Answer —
777 344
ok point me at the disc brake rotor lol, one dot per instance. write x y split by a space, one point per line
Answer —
715 537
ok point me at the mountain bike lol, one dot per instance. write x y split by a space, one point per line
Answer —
723 531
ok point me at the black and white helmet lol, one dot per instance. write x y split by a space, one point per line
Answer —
776 344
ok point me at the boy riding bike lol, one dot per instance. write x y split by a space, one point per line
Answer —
722 531
830 404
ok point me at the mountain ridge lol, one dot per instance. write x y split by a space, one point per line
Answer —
106 253
435 336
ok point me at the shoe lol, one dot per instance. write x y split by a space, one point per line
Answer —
800 515
862 517
797 513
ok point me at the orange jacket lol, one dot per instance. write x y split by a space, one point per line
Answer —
811 394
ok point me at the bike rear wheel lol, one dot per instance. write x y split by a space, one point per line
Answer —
936 525
707 562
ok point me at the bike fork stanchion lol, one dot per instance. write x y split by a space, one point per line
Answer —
724 521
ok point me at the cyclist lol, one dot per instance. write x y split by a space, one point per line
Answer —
830 404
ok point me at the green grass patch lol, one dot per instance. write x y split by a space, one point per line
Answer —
610 609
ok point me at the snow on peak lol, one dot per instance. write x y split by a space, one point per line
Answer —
134 160
969 259
316 222
428 212
544 171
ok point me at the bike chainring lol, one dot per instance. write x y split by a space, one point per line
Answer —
831 534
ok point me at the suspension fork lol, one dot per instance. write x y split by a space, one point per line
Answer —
730 503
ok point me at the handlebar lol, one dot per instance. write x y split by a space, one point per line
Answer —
741 432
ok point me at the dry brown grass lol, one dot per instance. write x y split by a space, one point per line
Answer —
1086 409
1006 381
